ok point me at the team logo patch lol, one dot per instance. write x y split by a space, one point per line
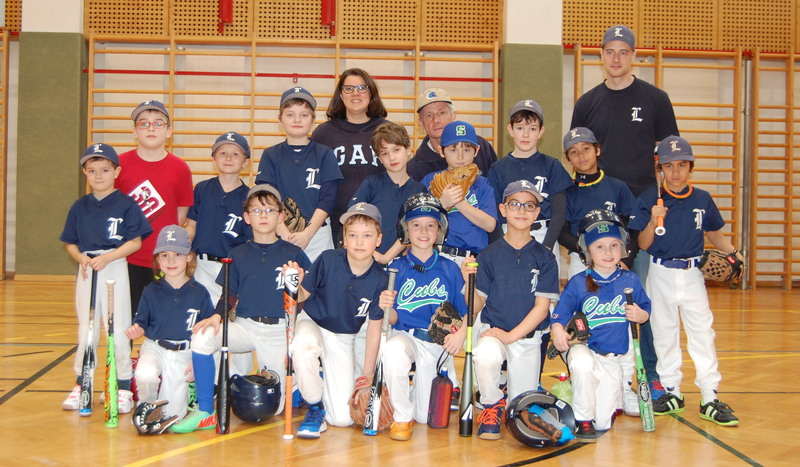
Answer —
148 199
430 95
461 130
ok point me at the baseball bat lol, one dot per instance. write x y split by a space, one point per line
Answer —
373 415
223 405
112 389
660 230
87 372
645 402
468 394
291 283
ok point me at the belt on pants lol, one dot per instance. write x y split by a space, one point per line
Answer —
173 345
542 224
453 251
265 319
208 257
677 263
421 334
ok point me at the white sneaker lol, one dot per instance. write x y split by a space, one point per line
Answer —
630 403
72 401
124 401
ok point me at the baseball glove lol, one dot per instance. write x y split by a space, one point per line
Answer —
578 330
444 321
718 266
360 400
294 218
461 176
149 418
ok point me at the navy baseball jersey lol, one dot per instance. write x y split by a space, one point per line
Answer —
604 309
423 286
686 222
220 225
606 193
169 313
380 191
546 174
628 123
105 224
256 276
463 233
298 172
511 279
426 160
340 301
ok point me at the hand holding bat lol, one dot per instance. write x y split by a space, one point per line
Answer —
466 407
373 415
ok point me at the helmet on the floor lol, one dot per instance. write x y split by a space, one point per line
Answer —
539 419
255 398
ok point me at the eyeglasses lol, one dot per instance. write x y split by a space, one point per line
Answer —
515 205
349 88
144 125
266 211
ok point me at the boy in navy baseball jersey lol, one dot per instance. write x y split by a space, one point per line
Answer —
424 280
341 293
517 278
676 285
597 366
160 182
168 310
472 215
304 171
256 291
548 176
101 230
388 190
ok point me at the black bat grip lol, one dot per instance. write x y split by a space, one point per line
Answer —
471 299
629 299
223 395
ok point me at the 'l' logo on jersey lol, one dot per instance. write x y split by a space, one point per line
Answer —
191 320
311 179
113 226
698 218
364 307
611 206
534 279
538 183
635 114
230 224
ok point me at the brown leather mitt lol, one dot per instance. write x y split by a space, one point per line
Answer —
359 402
461 176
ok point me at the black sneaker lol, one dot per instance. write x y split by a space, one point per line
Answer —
668 403
719 413
586 432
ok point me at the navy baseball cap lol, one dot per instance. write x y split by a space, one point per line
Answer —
100 150
602 230
529 105
459 131
619 32
173 238
674 148
299 93
429 96
522 185
234 138
149 105
577 135
265 187
364 209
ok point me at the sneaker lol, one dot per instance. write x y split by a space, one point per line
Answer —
73 399
656 390
630 402
401 431
490 419
586 432
719 413
313 423
196 420
538 424
124 401
668 403
455 399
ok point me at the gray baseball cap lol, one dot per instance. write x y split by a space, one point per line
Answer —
364 209
522 185
100 150
674 148
265 187
579 134
149 105
529 105
619 32
173 238
299 93
234 138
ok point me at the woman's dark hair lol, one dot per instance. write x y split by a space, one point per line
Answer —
337 110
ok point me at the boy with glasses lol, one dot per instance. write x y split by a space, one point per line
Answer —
158 181
517 278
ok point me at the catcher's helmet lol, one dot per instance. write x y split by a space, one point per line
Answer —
591 221
256 398
423 202
551 407
149 418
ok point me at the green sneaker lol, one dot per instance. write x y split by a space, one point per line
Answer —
195 420
719 413
668 403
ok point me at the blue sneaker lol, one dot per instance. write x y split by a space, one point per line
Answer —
297 400
313 423
490 419
656 390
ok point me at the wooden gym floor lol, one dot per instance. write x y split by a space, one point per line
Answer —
758 343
